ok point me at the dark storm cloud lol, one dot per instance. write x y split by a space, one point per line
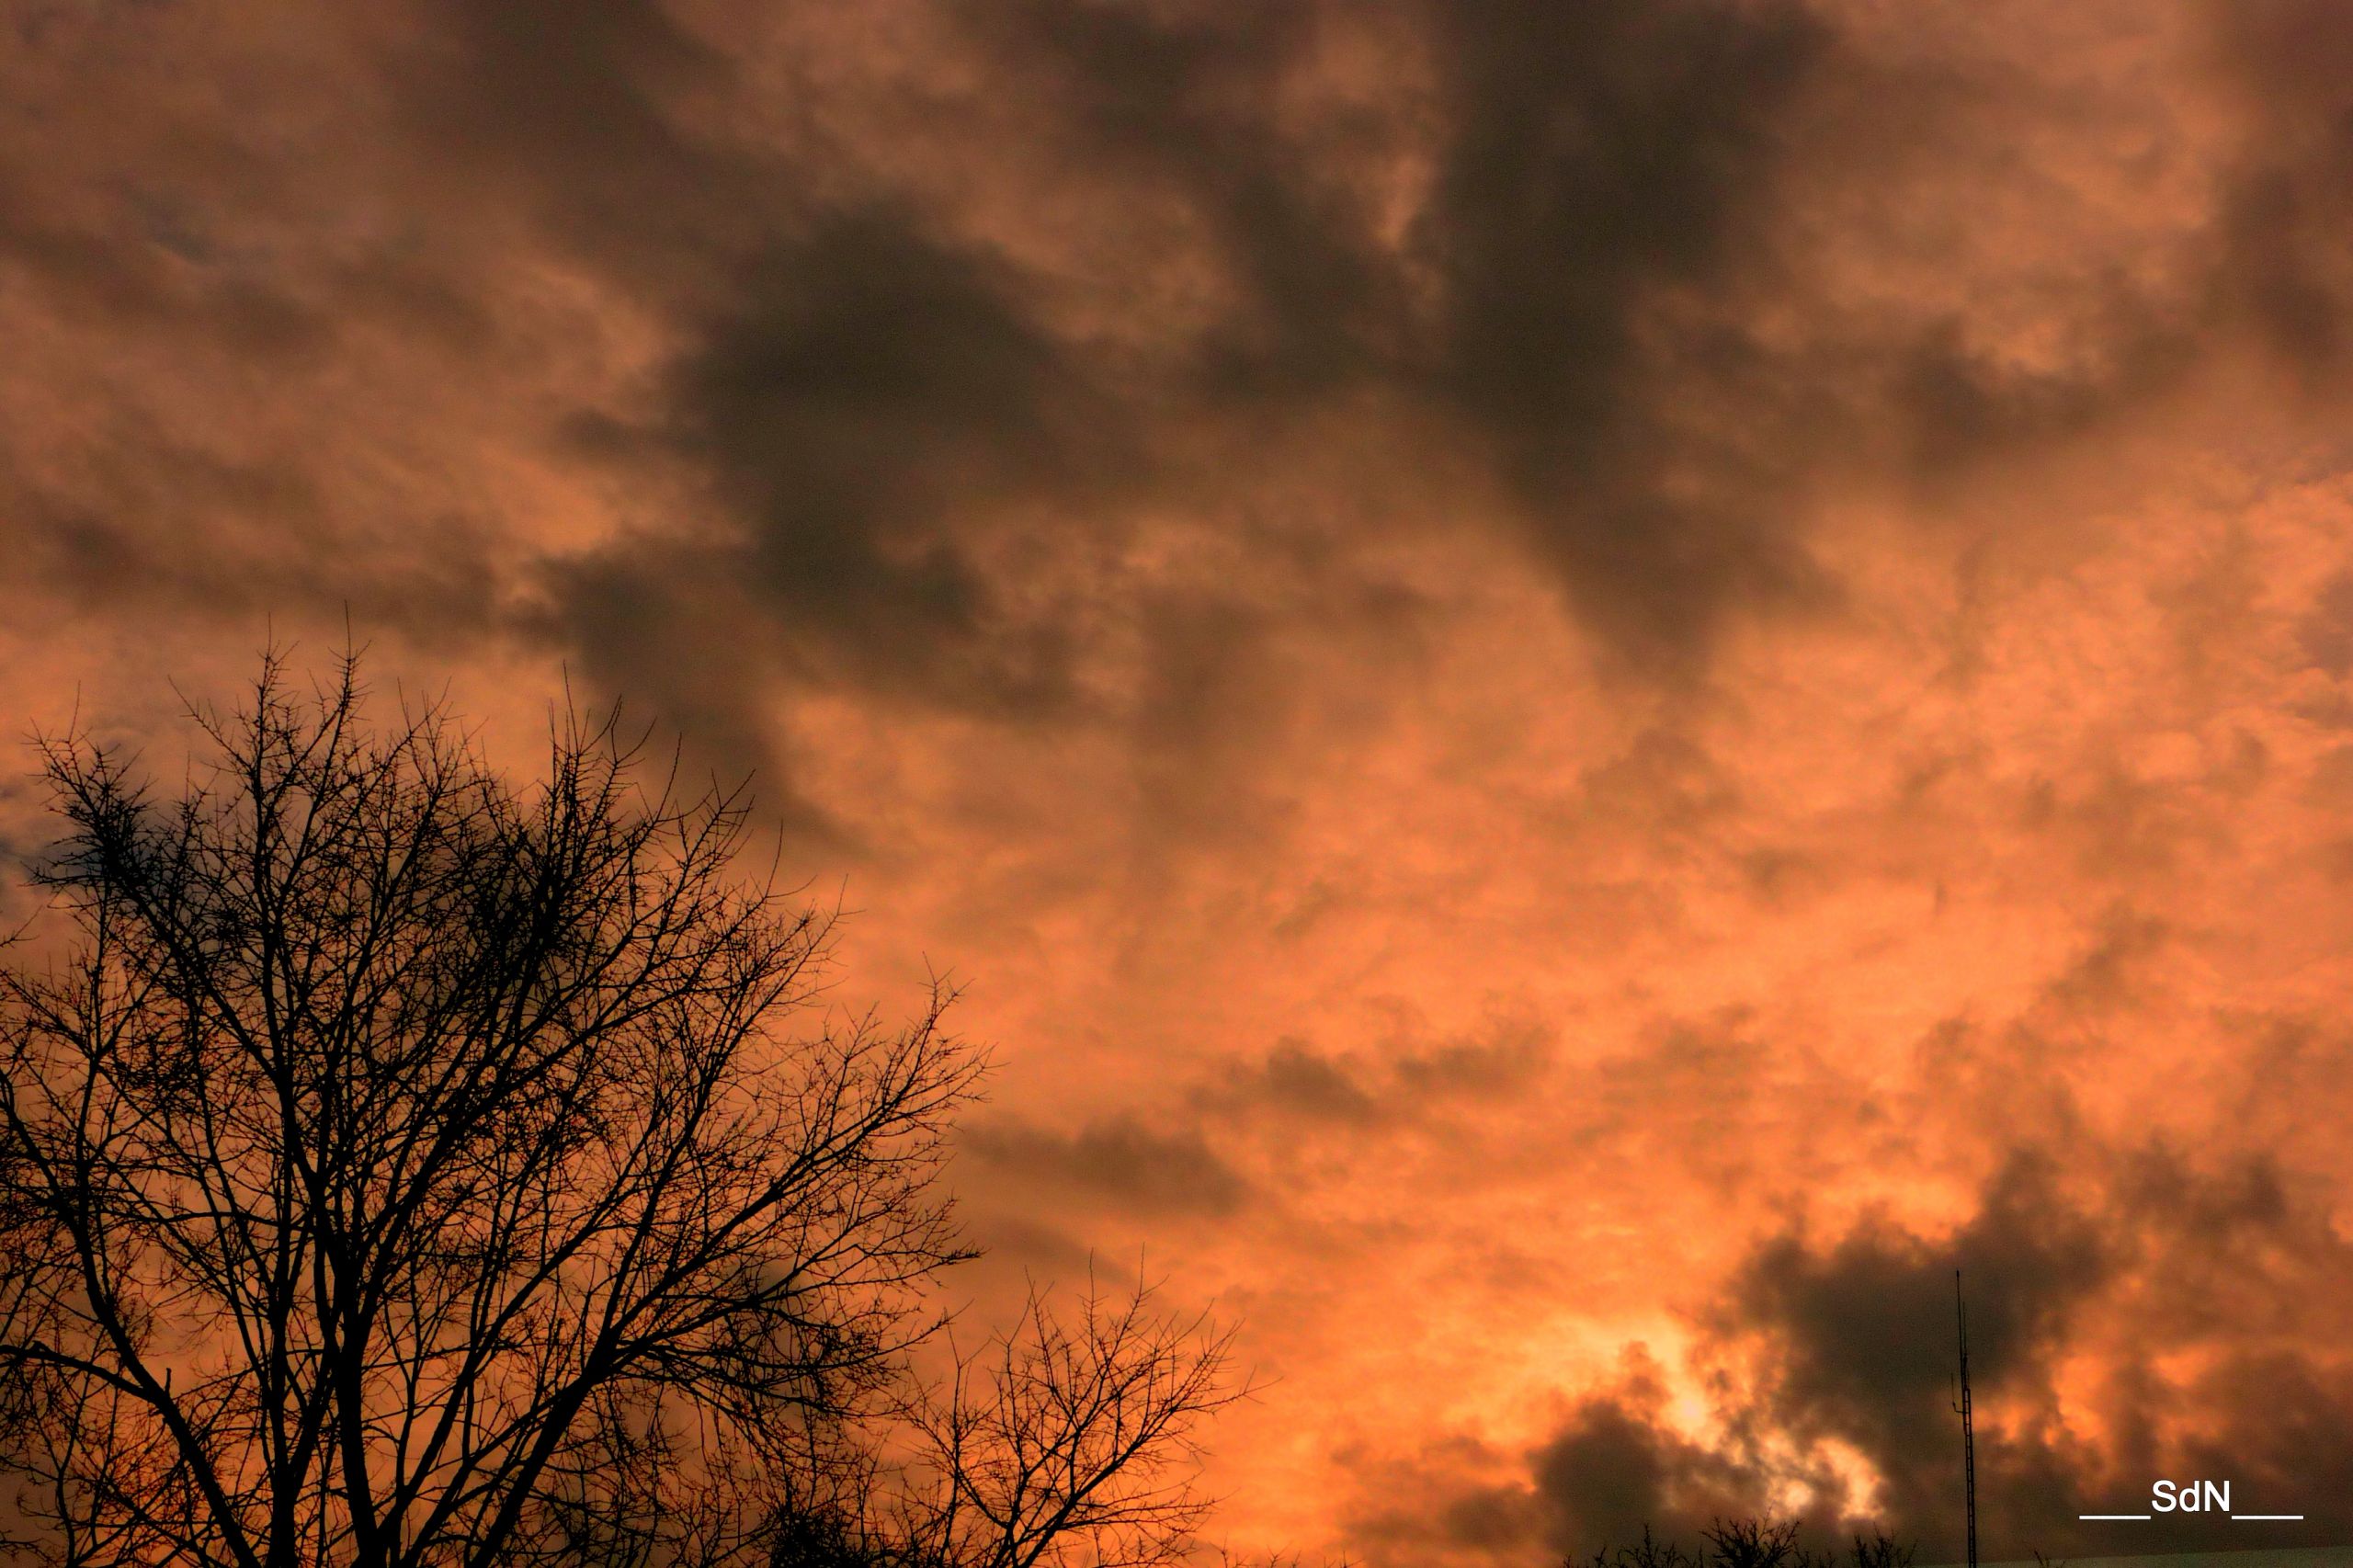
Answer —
1615 1467
1589 161
1857 1334
1119 1161
2166 1254
852 390
1850 1322
2289 204
1597 158
1411 1080
865 391
861 387
2139 1259
1296 1082
1232 1139
1184 101
870 393
1552 235
573 119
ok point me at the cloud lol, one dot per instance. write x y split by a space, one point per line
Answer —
1582 257
1118 1159
1204 110
2163 1277
863 396
1691 655
1614 1467
1603 165
1415 1078
1294 1081
2283 212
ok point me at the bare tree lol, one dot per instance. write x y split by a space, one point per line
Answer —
1880 1550
1751 1541
1071 1440
1647 1553
403 1171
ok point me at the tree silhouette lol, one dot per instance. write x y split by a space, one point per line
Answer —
1072 1442
400 1170
1750 1541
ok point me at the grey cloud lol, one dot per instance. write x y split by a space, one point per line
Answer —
866 391
1614 1467
1858 1355
869 413
2132 1256
1598 155
1119 1160
1294 1079
1415 1079
2287 206
1184 101
1602 221
1857 1333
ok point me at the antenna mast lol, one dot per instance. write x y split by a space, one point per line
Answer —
1968 1427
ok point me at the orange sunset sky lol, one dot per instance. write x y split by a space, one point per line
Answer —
1586 686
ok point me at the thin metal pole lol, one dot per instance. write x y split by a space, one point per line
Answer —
1968 1423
